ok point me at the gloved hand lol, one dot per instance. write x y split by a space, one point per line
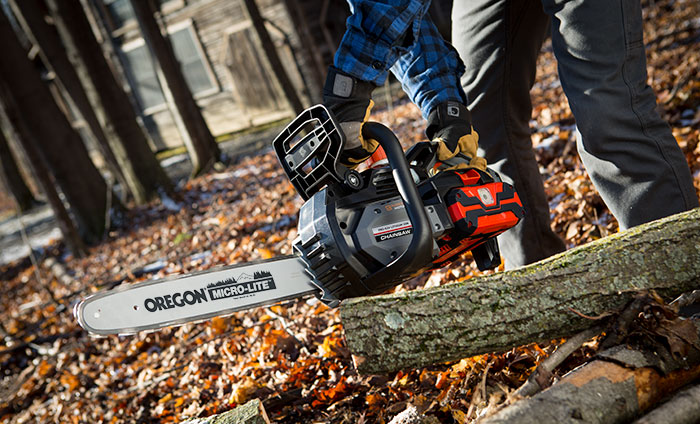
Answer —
449 125
350 100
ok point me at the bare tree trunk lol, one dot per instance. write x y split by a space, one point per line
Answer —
13 178
57 141
315 63
536 303
143 173
33 17
41 173
270 51
203 150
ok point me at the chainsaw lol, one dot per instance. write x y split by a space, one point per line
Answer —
359 233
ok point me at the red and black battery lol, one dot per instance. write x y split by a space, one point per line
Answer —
479 211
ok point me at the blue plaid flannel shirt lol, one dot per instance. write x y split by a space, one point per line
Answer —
398 35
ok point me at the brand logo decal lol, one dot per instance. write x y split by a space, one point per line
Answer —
485 196
243 286
393 207
452 110
391 231
169 301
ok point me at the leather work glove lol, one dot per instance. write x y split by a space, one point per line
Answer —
449 125
350 101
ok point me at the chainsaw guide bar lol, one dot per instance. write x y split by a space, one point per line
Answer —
179 300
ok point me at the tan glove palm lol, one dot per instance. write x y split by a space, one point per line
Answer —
467 146
449 126
357 148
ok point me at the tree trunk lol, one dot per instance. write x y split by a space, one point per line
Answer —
57 141
311 49
202 148
530 304
32 15
13 178
273 58
41 172
614 388
144 175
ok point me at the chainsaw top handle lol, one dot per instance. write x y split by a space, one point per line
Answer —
419 251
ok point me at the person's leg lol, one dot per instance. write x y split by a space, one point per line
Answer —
498 42
627 149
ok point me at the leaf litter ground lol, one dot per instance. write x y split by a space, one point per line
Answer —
293 356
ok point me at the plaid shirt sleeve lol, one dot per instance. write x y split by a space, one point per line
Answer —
398 35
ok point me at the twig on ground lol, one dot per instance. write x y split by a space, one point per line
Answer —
588 317
35 344
686 299
541 377
479 392
286 328
680 83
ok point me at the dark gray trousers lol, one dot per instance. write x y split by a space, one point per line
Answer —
627 149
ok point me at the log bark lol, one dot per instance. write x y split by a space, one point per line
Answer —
682 408
615 388
529 304
252 412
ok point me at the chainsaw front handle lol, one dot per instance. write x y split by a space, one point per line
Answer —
308 149
420 250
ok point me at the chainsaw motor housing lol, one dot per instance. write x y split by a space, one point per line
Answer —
364 233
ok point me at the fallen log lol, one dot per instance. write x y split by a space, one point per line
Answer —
682 408
614 388
251 412
537 303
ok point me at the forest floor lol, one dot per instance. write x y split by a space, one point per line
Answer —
293 356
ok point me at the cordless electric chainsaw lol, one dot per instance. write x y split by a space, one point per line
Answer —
359 233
